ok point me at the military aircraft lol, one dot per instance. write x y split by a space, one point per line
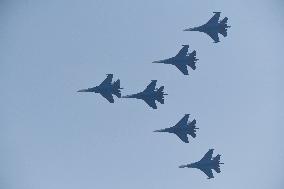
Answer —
150 94
106 88
182 60
213 27
206 164
182 129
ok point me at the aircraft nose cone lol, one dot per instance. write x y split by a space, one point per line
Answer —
182 166
157 61
160 130
82 90
128 96
191 29
157 131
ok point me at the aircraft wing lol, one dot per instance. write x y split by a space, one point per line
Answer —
108 96
208 155
151 86
183 51
151 103
183 121
183 137
215 18
108 80
182 68
214 36
207 172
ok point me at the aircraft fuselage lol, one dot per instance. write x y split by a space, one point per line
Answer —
209 27
99 89
174 60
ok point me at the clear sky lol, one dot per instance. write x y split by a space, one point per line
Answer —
52 137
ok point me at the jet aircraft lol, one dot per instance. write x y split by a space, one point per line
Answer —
206 164
182 60
150 94
106 88
213 27
182 129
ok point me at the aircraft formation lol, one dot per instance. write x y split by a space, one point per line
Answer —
184 128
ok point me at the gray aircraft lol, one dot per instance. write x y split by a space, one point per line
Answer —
182 129
213 27
206 164
106 88
150 94
182 60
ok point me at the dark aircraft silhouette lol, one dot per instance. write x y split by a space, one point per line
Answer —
182 60
206 164
106 88
150 94
213 27
182 129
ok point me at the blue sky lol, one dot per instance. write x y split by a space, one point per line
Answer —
53 137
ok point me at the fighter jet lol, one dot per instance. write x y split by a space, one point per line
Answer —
182 128
150 94
106 88
206 164
182 60
213 27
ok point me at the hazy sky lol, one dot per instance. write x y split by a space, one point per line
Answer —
52 137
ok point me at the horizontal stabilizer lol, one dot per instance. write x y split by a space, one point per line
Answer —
193 134
224 21
217 158
160 90
116 84
117 93
192 125
161 94
116 88
193 60
217 161
217 169
193 122
223 32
